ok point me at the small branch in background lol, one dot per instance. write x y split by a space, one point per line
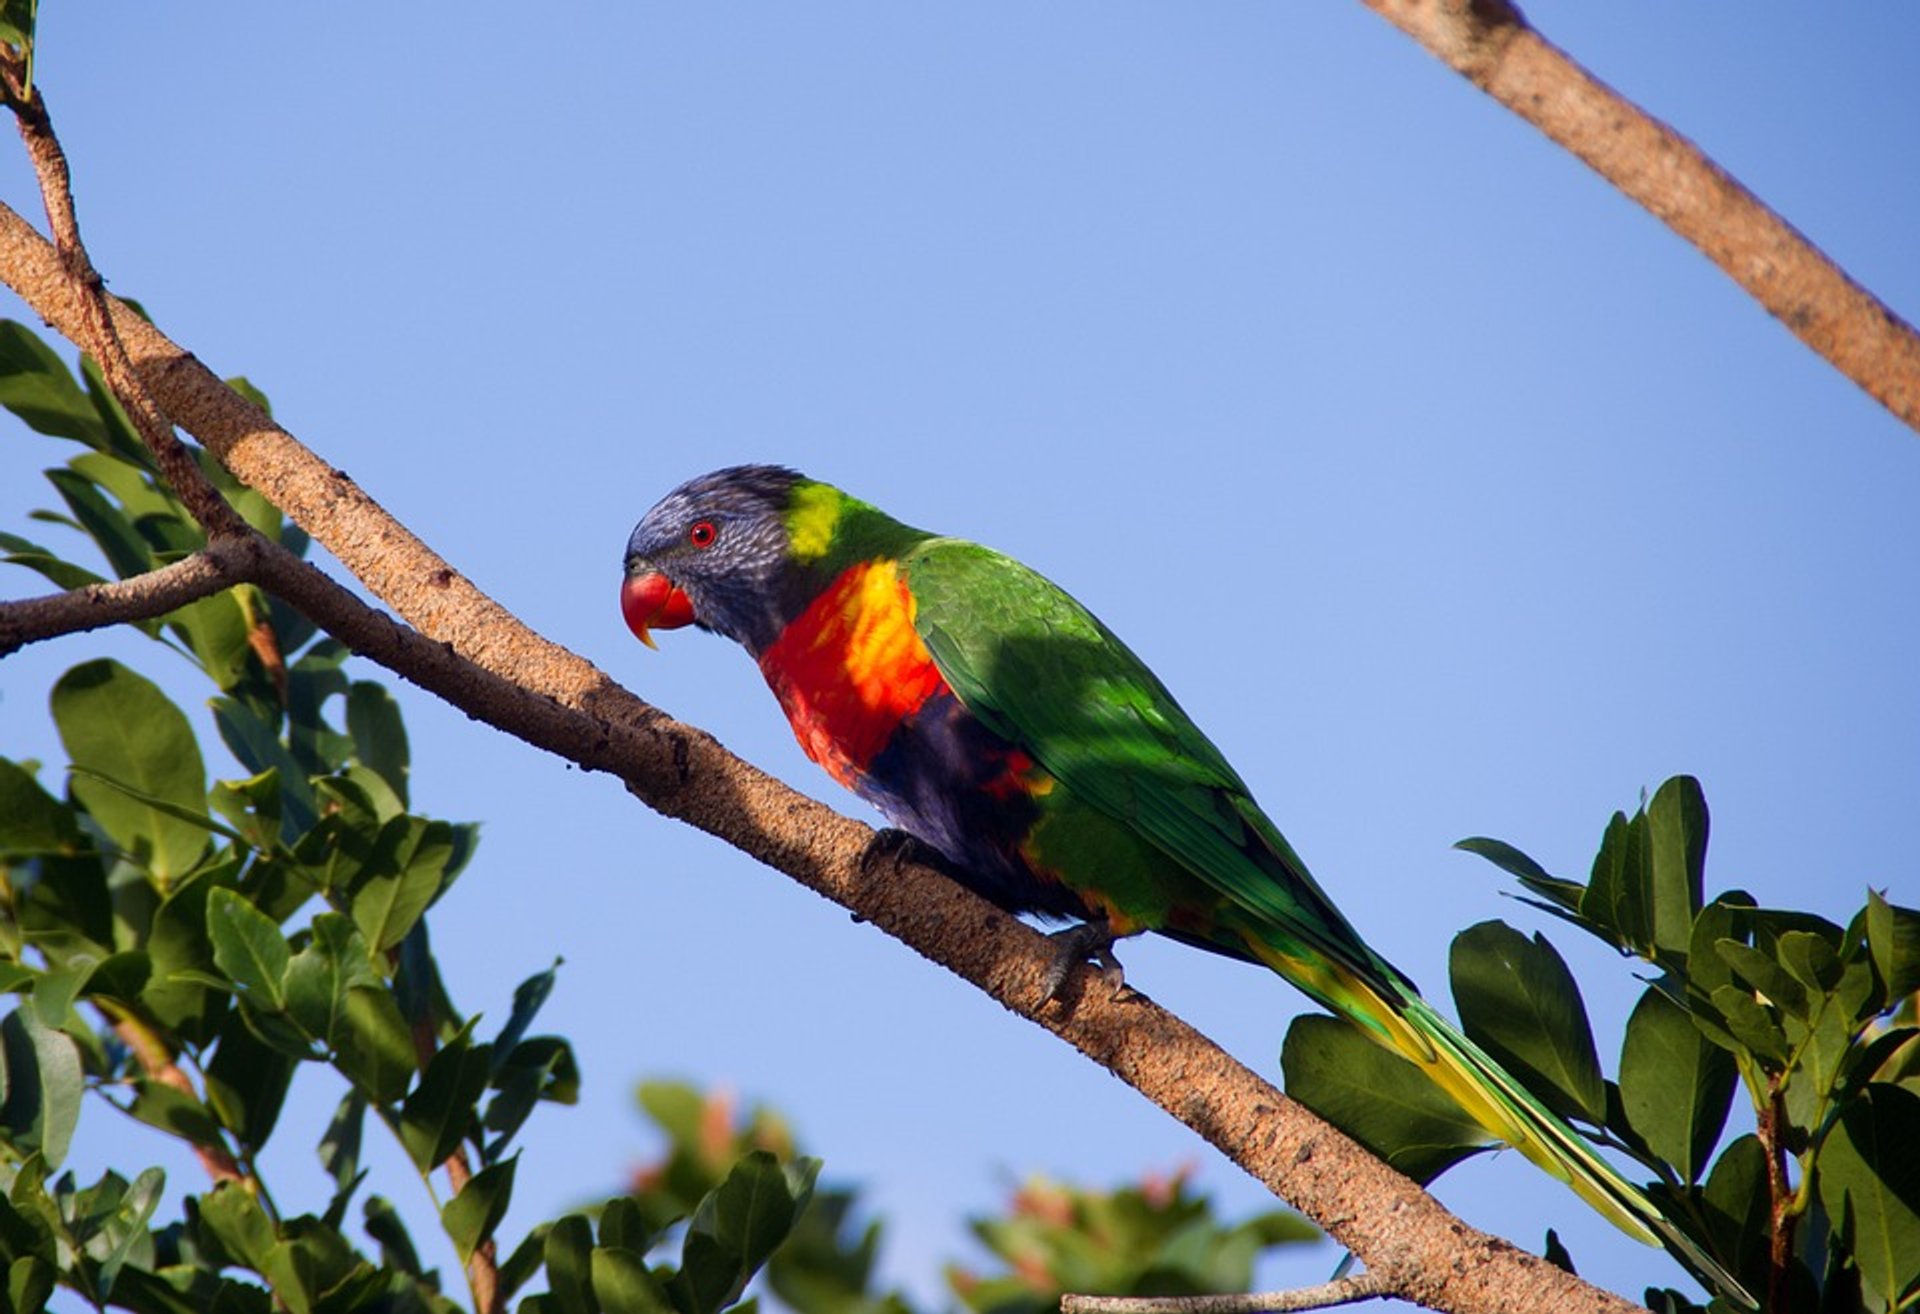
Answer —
1491 44
159 1066
143 597
1344 1291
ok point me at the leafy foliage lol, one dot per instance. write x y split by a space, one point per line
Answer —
1155 1239
153 924
1812 1021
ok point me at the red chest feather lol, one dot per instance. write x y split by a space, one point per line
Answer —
850 668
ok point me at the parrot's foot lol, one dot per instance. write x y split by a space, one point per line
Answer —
890 845
1087 942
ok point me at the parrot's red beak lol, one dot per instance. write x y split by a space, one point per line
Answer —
650 601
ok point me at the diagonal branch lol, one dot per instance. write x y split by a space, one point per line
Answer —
1491 44
481 658
97 335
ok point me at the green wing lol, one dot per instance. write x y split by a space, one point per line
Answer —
1042 672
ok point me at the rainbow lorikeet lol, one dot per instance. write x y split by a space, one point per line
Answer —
994 719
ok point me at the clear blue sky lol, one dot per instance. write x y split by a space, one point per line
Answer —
1448 489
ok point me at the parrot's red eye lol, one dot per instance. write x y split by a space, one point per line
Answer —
703 533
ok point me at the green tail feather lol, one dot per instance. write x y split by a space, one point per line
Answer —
1493 1098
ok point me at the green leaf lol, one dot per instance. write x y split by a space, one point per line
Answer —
1761 972
375 1049
1723 919
198 818
738 1225
1618 897
252 807
1809 959
238 1224
247 1083
1736 1205
176 1113
43 1086
257 745
215 627
339 1151
402 877
30 1283
121 977
1561 894
384 1225
1518 1001
332 963
525 1261
1751 1024
623 1284
471 1216
1675 1085
32 820
569 1254
249 948
541 1067
379 735
118 724
123 546
1893 939
182 957
440 1112
136 1208
1869 1180
36 385
61 573
1677 826
1377 1097
528 997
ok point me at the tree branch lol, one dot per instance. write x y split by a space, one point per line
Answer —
1343 1291
94 606
97 335
1491 44
481 658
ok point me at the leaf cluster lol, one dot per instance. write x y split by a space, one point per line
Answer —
178 947
1819 1205
1158 1238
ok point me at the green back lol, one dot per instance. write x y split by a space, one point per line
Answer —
1042 672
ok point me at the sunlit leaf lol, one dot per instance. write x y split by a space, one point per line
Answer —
117 724
249 948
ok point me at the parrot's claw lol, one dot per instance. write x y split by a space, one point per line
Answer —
1087 942
891 845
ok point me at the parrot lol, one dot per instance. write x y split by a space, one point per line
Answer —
994 720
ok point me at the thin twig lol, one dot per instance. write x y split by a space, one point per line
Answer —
99 337
141 597
1491 44
1343 1291
159 1066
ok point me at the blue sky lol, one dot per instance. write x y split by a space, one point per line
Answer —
1450 491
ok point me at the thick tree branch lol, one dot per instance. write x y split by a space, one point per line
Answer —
1491 44
484 660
